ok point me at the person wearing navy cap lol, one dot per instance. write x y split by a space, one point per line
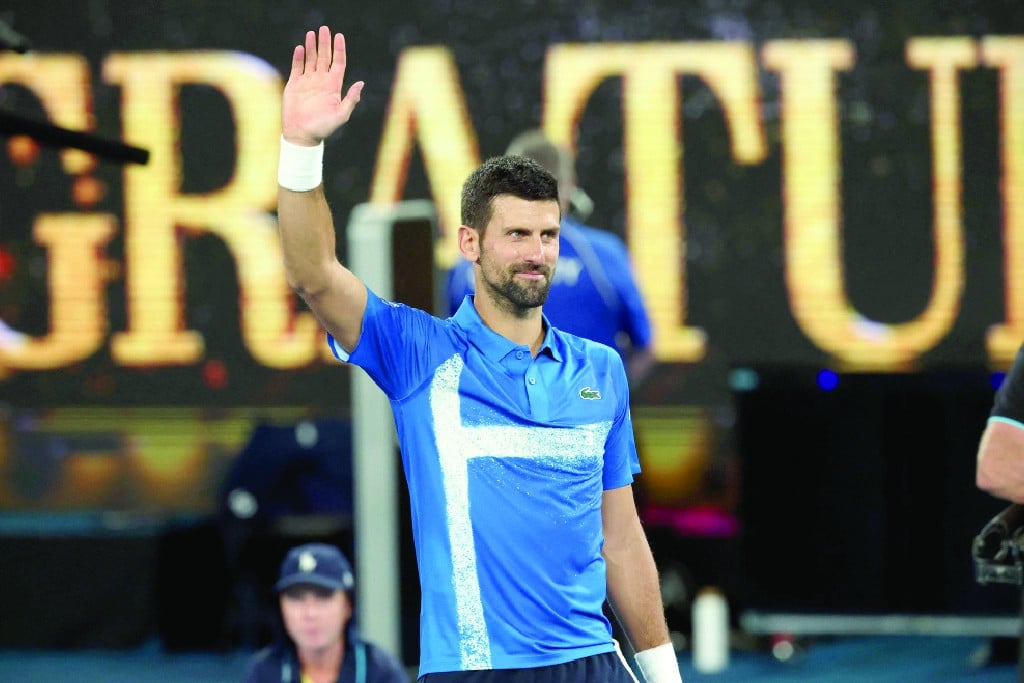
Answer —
321 644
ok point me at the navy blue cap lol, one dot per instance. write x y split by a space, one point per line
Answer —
319 564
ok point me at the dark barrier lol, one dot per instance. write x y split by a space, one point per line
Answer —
858 494
82 584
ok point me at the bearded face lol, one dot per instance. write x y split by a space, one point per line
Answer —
521 286
516 254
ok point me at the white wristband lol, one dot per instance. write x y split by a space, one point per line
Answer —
659 664
300 169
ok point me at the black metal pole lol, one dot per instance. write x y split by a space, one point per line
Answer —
55 136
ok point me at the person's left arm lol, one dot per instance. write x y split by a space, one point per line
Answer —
1000 466
633 589
634 592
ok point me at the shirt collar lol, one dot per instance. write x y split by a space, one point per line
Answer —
495 346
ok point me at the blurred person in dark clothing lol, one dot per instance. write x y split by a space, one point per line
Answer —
1000 467
320 643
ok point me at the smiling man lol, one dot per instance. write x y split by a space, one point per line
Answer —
594 293
516 438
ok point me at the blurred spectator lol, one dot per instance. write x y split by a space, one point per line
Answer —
320 643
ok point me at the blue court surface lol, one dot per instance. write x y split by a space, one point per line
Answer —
902 659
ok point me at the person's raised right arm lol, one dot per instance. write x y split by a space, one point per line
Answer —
312 109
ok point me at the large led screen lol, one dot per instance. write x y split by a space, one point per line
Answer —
835 185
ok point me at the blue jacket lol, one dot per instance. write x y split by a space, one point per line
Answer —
363 663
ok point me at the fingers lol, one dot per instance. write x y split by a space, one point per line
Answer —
352 98
310 61
339 59
323 59
317 53
298 60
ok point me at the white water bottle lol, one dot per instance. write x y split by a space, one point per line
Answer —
710 622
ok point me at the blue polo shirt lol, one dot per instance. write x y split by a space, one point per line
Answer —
593 294
507 457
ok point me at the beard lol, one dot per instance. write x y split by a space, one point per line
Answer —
516 296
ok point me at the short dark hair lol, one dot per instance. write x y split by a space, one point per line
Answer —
509 174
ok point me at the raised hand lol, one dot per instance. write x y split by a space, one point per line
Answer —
312 107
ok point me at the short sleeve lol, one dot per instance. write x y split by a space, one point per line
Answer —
621 461
1009 399
396 346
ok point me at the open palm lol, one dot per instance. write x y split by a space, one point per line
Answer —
313 107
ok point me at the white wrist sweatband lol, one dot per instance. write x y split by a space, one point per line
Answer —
300 169
659 664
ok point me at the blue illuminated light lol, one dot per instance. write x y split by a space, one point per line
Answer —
827 380
997 380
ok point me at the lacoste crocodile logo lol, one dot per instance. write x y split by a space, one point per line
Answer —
590 394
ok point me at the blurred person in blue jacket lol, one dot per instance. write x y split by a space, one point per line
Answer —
320 643
594 293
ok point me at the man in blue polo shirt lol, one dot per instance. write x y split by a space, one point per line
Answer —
594 293
516 438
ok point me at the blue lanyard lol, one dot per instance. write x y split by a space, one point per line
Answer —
360 663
